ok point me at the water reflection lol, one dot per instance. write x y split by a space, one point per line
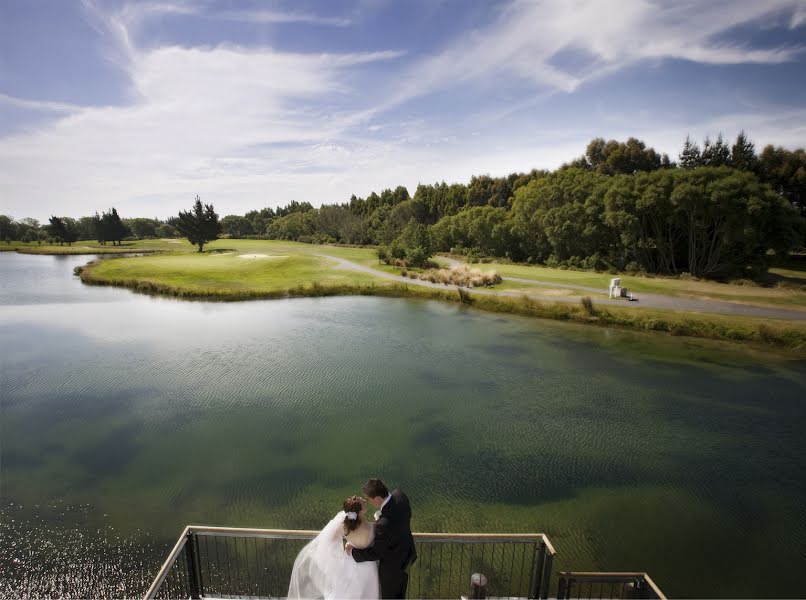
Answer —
628 450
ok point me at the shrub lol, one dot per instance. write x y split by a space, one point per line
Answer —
417 256
587 304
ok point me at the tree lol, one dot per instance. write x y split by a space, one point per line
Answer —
86 228
199 225
62 230
109 227
715 154
166 231
340 224
142 228
237 227
690 157
8 229
785 171
300 226
117 230
413 244
260 219
613 157
743 154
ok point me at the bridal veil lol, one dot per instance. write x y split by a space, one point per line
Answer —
322 570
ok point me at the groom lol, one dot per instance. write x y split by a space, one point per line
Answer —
394 544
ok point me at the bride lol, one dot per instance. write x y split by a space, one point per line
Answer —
322 570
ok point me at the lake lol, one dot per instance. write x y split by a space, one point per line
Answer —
126 417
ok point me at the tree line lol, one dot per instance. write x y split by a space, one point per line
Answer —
717 211
107 227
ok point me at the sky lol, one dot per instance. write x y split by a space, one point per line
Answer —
144 105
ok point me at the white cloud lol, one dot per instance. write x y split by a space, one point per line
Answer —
249 127
527 41
270 16
39 105
798 17
201 120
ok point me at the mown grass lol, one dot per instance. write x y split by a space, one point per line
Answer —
227 274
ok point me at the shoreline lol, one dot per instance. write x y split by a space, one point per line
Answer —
80 250
739 330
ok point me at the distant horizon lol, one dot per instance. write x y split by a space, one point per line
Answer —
142 106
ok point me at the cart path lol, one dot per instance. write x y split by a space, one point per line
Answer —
656 301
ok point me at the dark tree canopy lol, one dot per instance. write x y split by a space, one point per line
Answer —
109 227
63 230
613 157
199 225
715 154
719 212
237 227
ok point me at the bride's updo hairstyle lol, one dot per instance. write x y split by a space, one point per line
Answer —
353 504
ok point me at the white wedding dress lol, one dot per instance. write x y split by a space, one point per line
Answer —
323 570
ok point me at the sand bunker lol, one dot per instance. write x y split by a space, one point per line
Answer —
260 256
170 241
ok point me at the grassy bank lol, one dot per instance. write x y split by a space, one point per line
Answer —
289 269
228 275
301 276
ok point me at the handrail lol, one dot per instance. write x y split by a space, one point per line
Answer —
607 576
310 534
169 562
655 588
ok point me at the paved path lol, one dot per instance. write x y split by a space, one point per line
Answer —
656 301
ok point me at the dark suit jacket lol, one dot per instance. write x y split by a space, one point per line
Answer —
394 544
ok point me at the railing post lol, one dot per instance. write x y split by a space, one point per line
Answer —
194 570
541 555
562 592
546 575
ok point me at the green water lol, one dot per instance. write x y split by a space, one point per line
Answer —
126 417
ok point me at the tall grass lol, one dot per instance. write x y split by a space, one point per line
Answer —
461 275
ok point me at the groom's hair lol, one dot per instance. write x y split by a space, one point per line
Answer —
375 488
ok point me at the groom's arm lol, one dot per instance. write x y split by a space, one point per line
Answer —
378 547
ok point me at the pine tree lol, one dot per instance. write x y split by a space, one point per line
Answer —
690 157
715 154
100 228
57 229
744 156
117 230
200 225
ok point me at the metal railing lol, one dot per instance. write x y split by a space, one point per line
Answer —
585 584
224 561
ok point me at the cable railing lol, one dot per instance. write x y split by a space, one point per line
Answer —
584 584
227 562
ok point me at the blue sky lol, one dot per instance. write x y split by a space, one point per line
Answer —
143 105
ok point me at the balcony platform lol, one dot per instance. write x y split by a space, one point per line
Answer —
226 562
